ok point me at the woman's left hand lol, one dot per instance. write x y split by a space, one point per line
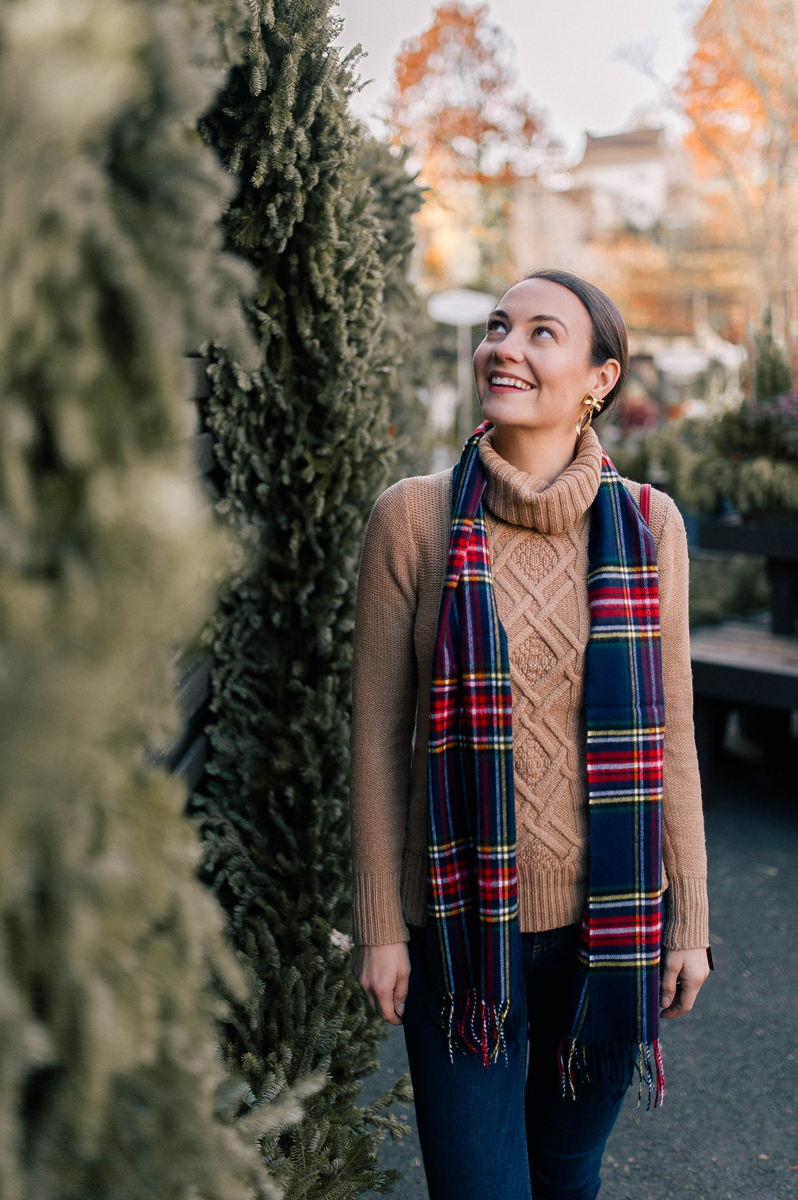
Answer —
683 972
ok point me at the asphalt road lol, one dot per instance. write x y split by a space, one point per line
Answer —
728 1129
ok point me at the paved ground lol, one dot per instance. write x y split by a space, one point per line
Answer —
728 1129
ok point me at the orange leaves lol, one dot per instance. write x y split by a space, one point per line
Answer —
740 92
453 25
474 132
457 100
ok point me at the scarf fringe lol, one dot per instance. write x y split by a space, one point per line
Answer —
604 1064
473 1026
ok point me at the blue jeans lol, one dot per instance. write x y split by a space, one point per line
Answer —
502 1133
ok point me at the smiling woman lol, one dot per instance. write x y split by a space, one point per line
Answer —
520 804
535 343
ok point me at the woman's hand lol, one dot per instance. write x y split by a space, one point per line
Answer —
683 972
383 973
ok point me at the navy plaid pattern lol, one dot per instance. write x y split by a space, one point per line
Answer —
622 926
472 883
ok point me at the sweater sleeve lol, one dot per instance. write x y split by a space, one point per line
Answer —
384 694
683 850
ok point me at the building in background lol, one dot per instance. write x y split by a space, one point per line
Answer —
626 179
631 218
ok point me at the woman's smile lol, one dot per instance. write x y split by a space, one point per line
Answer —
500 382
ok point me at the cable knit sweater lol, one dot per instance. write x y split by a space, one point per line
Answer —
537 535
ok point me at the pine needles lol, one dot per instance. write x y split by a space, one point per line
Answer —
303 447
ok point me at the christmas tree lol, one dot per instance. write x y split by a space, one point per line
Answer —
303 445
407 329
771 369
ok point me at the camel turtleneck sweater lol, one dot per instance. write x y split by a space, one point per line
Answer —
537 534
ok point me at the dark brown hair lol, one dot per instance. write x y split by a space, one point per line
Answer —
609 328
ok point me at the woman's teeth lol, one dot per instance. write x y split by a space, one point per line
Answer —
506 381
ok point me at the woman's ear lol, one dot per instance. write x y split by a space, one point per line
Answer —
607 375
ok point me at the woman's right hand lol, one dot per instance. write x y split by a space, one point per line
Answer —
383 973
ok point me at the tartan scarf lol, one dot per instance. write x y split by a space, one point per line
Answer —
472 881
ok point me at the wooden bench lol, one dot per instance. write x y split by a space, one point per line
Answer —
742 661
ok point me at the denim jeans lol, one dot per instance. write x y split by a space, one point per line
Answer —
502 1132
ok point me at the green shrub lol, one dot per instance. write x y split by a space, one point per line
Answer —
771 368
726 585
746 457
303 447
407 332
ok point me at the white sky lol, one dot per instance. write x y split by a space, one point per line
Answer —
566 53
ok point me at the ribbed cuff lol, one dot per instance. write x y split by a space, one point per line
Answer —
377 911
686 914
550 899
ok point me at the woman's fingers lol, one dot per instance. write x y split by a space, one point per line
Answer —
400 992
385 1007
685 999
683 973
669 981
383 973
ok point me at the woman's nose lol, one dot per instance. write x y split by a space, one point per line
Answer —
510 349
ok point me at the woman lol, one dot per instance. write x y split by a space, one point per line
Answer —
529 861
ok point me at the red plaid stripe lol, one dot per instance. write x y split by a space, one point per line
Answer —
472 885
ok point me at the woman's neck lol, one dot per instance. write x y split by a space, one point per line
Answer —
543 453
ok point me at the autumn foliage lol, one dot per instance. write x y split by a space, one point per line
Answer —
458 101
740 92
474 132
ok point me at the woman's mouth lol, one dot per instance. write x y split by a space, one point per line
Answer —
507 383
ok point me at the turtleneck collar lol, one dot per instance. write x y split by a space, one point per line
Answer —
522 499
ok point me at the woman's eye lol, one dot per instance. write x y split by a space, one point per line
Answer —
541 330
496 326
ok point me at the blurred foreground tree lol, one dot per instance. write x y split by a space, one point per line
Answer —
458 104
303 447
110 268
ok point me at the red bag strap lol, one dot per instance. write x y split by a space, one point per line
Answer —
645 501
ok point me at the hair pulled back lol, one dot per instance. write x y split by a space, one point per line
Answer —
609 328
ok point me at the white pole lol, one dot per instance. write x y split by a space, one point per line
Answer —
463 309
465 386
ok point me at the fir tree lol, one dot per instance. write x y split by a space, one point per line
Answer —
303 446
771 369
110 267
407 332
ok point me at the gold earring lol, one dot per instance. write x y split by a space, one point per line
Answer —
592 406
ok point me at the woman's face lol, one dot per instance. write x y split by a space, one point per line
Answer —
533 368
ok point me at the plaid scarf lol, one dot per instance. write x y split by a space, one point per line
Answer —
472 883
